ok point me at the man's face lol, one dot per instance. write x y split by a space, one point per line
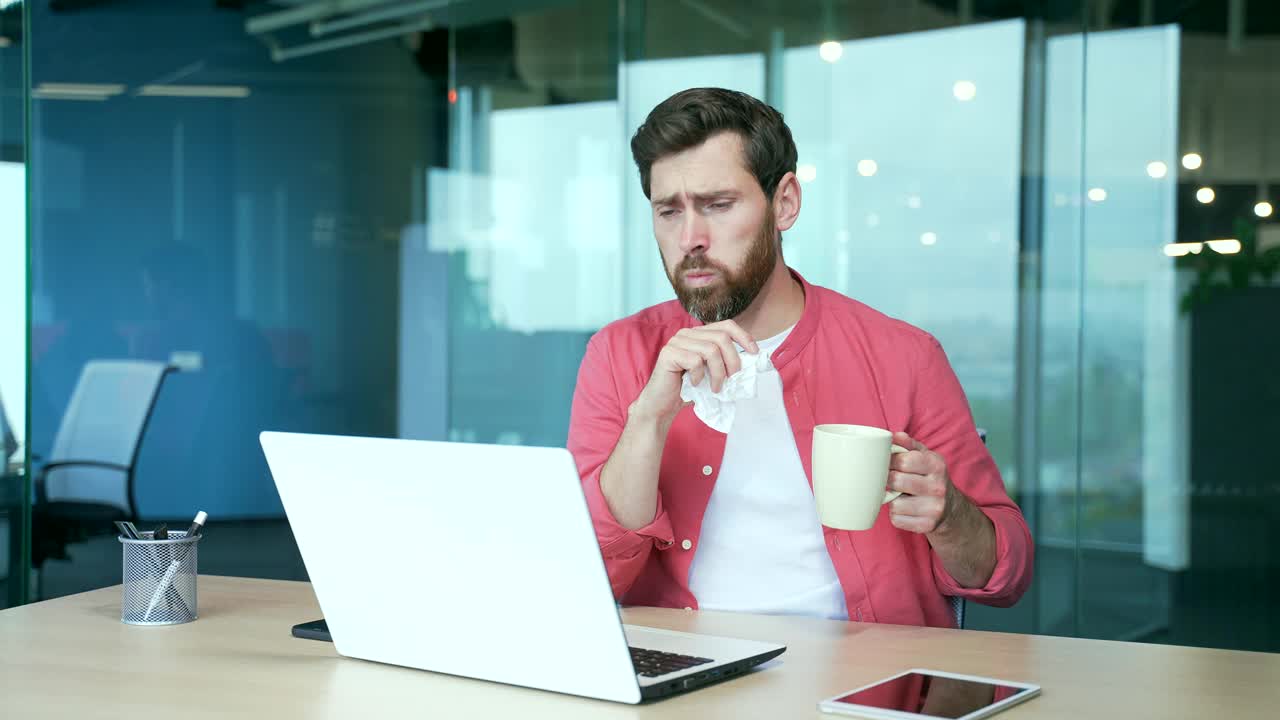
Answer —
715 228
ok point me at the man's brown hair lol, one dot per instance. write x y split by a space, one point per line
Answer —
690 117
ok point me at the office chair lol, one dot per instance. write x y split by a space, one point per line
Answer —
88 481
957 609
8 446
8 443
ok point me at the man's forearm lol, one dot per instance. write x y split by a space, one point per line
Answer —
629 479
966 543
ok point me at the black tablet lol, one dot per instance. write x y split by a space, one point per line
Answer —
314 630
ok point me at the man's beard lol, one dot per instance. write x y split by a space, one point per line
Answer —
735 291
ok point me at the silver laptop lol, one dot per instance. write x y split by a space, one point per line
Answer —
479 561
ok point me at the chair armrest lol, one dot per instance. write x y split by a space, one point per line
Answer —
83 463
39 479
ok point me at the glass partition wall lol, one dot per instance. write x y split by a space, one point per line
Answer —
13 307
407 219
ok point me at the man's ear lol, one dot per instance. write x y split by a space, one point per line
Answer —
786 202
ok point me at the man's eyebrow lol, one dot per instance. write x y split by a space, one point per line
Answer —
700 198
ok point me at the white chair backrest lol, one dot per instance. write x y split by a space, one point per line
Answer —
103 423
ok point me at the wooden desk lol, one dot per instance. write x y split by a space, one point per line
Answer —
71 657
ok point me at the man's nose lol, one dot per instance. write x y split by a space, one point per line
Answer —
693 234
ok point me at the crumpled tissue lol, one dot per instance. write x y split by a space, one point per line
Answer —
717 409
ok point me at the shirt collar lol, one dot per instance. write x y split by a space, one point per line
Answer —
804 329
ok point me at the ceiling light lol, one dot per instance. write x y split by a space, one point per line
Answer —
93 89
1262 209
204 91
1097 194
830 51
964 90
1157 169
281 54
1226 246
867 168
393 12
1205 195
1185 248
77 91
929 238
41 95
1192 161
806 172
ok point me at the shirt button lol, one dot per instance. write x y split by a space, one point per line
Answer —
706 469
686 544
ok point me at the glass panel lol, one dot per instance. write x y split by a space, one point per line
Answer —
886 220
1177 520
412 227
233 201
1056 292
928 134
1134 436
13 306
527 217
538 231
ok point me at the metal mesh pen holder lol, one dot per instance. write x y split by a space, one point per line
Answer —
159 580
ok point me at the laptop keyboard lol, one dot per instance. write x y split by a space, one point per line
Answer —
652 663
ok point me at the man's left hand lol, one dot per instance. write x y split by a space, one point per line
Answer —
921 475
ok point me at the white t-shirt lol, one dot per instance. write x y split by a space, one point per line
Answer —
761 548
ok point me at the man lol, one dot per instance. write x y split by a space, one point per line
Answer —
689 517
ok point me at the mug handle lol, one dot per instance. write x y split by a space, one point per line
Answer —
890 495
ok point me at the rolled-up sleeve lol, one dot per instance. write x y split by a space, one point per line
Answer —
1012 574
596 421
941 419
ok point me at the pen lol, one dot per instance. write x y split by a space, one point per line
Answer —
197 524
162 588
167 579
130 532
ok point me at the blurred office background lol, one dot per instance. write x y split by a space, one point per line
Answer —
407 218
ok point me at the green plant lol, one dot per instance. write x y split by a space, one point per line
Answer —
1218 274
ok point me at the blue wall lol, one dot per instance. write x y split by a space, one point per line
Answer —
261 234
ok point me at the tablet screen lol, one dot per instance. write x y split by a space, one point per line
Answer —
932 695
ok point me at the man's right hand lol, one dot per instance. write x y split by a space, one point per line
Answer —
700 351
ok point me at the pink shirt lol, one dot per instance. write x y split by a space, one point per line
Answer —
843 363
